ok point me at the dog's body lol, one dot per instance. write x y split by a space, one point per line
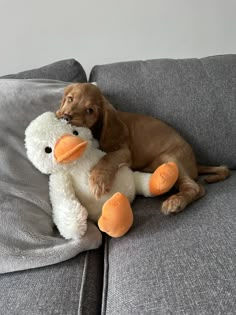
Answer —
139 141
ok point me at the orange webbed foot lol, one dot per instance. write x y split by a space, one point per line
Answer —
117 216
164 178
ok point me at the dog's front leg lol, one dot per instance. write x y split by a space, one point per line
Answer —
104 172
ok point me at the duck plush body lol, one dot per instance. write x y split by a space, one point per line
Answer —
68 153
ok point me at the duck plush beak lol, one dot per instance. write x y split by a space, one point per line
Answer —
69 148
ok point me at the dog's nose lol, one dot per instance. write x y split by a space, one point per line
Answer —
67 117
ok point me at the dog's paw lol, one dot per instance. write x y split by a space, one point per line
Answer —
173 204
100 182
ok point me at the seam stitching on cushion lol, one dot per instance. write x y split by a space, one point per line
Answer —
84 276
105 276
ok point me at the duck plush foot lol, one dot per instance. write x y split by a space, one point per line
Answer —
117 216
164 178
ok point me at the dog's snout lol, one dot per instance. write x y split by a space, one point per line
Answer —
67 117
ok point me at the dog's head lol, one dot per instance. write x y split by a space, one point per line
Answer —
82 104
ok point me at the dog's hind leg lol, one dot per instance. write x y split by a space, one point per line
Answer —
189 191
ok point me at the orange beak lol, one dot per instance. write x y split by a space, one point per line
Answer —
69 148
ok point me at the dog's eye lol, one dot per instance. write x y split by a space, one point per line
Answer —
48 150
70 99
89 111
75 132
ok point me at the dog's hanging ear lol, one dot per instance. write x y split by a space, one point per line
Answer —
114 132
66 91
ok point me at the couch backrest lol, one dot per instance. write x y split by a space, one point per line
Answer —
68 70
196 96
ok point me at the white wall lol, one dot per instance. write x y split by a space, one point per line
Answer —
34 33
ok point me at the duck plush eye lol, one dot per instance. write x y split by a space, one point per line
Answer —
75 132
48 150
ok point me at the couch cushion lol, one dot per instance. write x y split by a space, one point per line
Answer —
196 96
68 70
28 238
180 264
72 287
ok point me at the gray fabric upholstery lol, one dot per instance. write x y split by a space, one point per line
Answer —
28 238
69 288
196 96
68 70
182 264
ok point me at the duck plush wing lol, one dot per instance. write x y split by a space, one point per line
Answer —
69 214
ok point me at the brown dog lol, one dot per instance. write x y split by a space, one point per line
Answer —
139 141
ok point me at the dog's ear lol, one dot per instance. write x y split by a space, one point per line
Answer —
66 92
114 131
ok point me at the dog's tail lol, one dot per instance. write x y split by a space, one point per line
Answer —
218 173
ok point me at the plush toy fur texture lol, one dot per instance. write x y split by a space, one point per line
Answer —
71 199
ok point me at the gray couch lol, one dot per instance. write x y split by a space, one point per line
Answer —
180 264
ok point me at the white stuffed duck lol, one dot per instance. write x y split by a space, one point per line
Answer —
68 153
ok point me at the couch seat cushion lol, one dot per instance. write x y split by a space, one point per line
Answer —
71 287
180 264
